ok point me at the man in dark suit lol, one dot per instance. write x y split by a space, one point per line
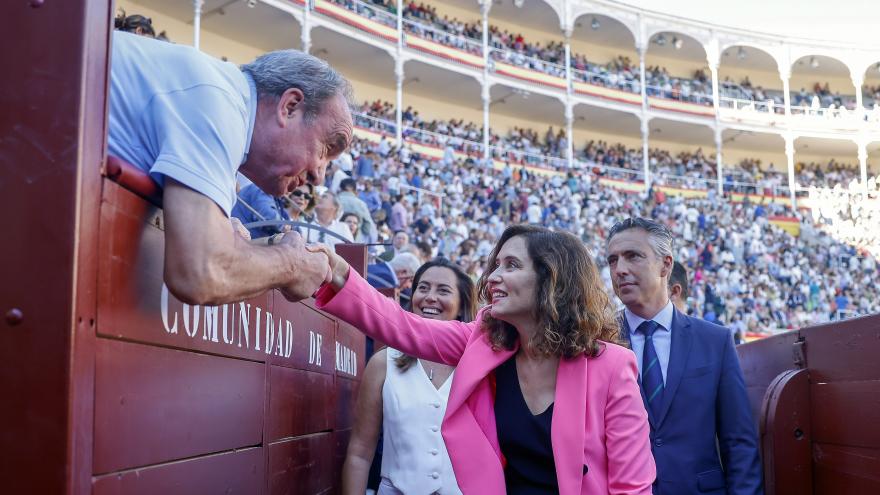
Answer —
702 432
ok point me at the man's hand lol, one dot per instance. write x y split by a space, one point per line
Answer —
312 267
338 267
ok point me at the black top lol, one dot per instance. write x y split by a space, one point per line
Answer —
524 438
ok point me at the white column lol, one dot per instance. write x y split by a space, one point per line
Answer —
713 69
863 164
860 109
719 162
485 6
789 156
305 37
197 22
642 48
642 78
569 103
398 111
645 160
569 133
785 75
399 76
487 154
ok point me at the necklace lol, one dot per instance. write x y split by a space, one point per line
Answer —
431 374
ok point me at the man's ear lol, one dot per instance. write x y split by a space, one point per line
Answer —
675 291
667 266
291 101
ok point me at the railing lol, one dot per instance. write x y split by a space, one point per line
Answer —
369 122
368 11
823 112
768 189
443 37
736 180
528 158
435 138
768 106
664 178
679 94
520 59
607 79
435 196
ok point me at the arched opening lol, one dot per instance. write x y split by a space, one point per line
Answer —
603 53
749 78
608 142
820 82
527 127
754 163
681 154
676 69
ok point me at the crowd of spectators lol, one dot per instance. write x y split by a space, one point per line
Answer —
549 58
620 73
695 169
744 271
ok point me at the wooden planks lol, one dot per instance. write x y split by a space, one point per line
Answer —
303 465
240 398
154 405
240 472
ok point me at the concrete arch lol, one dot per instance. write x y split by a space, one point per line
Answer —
703 37
542 16
745 60
630 22
772 52
811 68
606 29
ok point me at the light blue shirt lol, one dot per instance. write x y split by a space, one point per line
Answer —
176 112
662 336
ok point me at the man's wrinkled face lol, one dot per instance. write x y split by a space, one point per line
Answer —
295 149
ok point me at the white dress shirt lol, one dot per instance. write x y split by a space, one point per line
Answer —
662 336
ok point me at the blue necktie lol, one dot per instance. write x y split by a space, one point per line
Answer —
652 375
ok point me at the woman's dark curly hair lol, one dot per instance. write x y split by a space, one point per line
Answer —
572 310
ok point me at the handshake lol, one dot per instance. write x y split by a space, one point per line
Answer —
306 267
314 266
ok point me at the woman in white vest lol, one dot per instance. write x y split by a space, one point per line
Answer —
406 398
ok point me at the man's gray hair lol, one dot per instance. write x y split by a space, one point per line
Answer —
336 203
659 235
405 261
276 72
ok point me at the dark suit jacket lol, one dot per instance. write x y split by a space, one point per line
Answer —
704 401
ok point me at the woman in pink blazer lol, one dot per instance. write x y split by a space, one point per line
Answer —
541 401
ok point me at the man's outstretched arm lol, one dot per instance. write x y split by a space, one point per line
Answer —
208 262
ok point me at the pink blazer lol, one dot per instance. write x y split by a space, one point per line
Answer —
599 430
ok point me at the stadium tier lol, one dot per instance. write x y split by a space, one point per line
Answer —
677 114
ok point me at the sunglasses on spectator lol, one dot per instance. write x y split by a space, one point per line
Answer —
306 196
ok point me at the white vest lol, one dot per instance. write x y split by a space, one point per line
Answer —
414 458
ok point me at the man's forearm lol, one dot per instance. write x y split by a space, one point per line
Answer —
208 262
242 271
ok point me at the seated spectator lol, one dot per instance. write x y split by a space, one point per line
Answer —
254 205
299 205
352 204
327 212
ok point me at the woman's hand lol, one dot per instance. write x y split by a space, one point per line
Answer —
338 272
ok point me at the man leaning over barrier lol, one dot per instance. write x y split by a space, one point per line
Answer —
192 121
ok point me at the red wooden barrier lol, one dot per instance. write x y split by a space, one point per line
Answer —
817 395
108 384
